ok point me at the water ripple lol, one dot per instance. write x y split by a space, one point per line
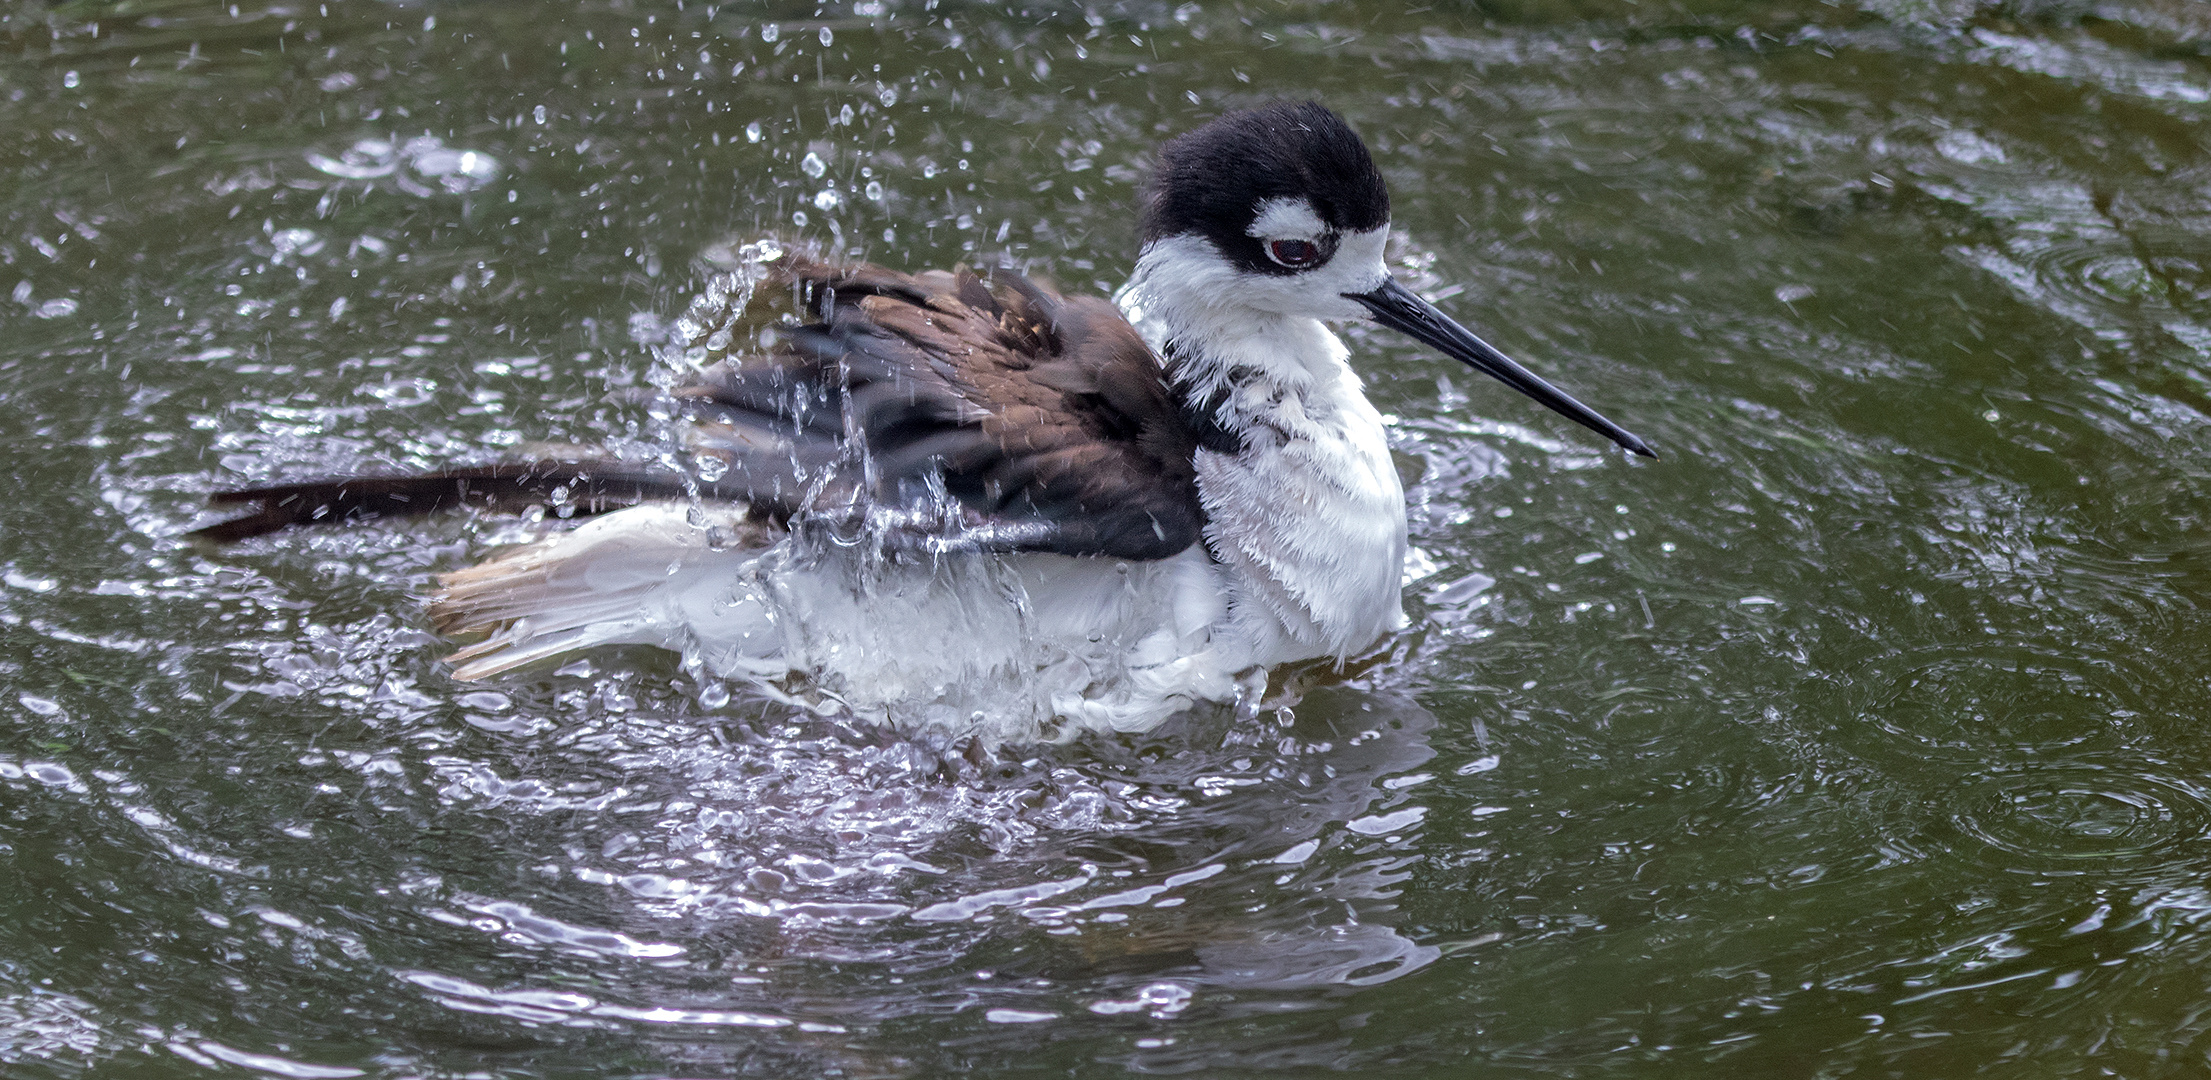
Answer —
2081 814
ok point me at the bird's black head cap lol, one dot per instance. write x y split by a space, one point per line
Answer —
1211 182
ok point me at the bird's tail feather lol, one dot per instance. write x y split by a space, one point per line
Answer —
587 486
627 578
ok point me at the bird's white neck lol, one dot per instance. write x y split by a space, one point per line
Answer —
1309 515
1215 325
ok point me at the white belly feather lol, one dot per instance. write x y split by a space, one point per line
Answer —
1002 646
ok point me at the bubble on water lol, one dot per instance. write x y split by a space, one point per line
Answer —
52 775
403 393
887 95
875 191
798 217
770 32
455 170
366 159
289 242
69 78
827 199
812 165
827 37
752 131
1159 1000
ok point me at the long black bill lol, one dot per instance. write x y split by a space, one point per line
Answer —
1396 307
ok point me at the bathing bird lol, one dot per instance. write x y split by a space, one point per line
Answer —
962 500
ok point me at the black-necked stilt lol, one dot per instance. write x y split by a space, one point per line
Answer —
967 501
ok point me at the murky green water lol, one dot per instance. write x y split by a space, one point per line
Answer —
1869 734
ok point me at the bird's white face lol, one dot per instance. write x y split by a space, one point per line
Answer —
1311 267
1324 264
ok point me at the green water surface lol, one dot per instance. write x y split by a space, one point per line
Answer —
1866 735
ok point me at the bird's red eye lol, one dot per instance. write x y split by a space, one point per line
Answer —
1295 254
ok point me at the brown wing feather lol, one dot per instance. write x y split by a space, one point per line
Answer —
948 410
1047 420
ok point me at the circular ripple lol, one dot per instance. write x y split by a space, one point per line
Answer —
2081 812
2099 274
2016 697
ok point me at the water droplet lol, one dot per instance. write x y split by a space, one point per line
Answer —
798 217
826 37
827 199
539 114
69 78
713 695
752 131
813 165
888 95
875 191
844 115
770 32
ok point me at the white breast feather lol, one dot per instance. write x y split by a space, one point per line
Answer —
1310 516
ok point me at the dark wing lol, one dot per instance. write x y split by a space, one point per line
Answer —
589 487
939 411
984 414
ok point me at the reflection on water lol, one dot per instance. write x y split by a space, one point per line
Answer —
932 877
1862 735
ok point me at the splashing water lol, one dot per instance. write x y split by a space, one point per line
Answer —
1861 737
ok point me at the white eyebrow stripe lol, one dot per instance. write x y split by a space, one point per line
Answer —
1286 218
